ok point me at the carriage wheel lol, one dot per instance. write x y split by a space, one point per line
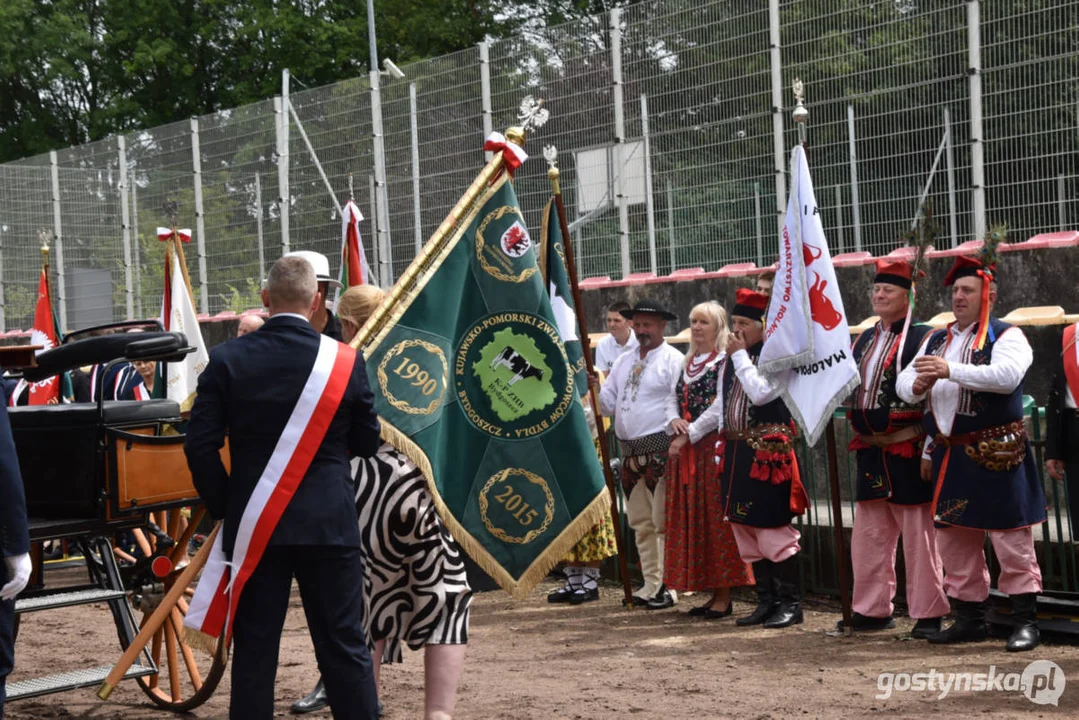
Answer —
186 677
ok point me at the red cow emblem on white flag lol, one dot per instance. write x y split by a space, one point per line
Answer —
821 308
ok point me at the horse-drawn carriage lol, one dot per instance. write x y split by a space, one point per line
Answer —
100 470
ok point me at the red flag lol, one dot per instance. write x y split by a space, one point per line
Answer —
353 260
46 392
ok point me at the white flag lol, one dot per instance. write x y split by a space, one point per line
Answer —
807 329
178 315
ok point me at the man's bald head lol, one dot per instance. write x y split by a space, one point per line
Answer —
249 324
291 287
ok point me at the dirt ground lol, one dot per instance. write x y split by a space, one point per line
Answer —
533 660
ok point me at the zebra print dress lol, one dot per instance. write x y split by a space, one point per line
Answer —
415 587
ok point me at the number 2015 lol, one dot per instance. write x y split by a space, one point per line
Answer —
514 502
419 377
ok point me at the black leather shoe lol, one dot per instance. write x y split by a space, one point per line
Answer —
1025 636
315 700
582 596
865 623
662 600
788 584
969 625
561 595
925 627
710 614
700 610
766 596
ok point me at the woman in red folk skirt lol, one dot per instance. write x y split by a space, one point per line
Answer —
701 553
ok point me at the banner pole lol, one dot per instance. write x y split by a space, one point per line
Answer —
582 331
801 116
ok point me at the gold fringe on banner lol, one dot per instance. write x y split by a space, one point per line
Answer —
592 515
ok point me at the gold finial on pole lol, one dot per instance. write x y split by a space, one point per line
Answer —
44 236
550 154
800 114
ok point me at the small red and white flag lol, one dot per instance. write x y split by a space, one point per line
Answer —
217 596
44 333
354 269
178 315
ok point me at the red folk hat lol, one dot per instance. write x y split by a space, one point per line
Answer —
969 267
896 272
750 304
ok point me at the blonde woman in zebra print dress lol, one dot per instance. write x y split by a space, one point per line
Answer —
415 588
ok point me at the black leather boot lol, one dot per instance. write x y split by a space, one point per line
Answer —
766 595
789 593
969 625
315 700
1025 636
925 628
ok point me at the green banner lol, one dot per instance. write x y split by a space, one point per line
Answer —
473 383
552 253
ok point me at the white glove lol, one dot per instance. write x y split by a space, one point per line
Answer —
18 569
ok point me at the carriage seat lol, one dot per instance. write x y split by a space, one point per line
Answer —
117 413
59 449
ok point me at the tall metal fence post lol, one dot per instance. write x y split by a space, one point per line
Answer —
977 138
649 207
281 149
382 229
136 244
855 207
125 228
258 225
200 216
374 225
949 157
670 223
839 219
779 147
58 240
485 92
414 126
759 228
1062 202
3 313
620 138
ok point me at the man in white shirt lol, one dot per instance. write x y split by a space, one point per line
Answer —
635 394
982 465
619 340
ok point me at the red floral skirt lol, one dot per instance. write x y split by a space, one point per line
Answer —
701 552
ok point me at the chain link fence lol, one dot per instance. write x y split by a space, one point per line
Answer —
672 121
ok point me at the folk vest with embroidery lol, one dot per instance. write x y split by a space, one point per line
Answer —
991 483
890 472
760 475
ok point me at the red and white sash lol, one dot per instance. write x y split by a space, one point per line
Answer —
218 593
1071 361
141 393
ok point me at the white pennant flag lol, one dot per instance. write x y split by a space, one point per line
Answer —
806 334
178 315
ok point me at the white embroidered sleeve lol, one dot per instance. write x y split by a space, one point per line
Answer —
1012 357
760 389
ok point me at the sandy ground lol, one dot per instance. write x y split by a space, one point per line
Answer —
533 660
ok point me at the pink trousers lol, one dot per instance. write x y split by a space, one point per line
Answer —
878 524
966 573
775 544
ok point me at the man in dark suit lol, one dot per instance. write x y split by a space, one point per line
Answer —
316 539
14 546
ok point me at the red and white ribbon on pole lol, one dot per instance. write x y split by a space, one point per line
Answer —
165 234
512 154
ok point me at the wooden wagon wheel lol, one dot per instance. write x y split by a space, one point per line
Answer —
186 677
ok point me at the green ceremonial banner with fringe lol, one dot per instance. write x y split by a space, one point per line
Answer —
472 382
